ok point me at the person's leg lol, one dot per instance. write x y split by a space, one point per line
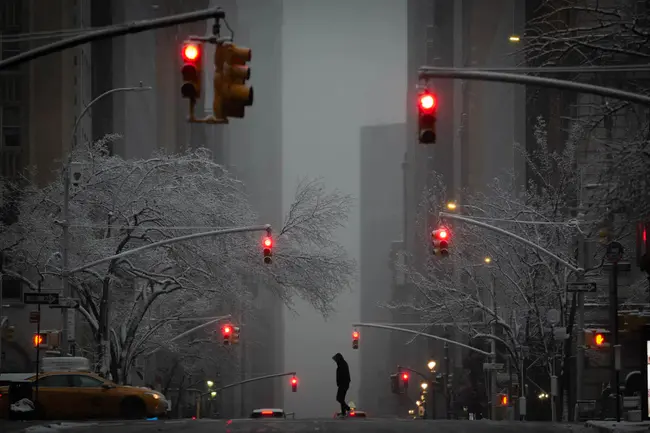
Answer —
344 404
340 398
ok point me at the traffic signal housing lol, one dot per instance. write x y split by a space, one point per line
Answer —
235 335
355 339
231 93
48 340
427 110
440 241
643 246
597 338
394 384
267 244
294 384
405 380
191 54
226 332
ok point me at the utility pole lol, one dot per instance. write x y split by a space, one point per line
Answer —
493 349
580 352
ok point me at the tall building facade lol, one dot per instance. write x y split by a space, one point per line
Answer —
380 202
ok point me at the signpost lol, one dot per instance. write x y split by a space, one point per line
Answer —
581 287
41 298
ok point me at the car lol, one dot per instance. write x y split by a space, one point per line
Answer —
268 413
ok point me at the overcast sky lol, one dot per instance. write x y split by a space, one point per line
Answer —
344 66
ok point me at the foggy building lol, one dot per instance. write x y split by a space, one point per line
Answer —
382 147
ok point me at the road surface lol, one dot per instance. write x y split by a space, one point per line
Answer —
370 425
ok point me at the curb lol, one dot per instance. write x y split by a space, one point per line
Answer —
615 427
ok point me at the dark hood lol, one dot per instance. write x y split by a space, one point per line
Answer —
338 358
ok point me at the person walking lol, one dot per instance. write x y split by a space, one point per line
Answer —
342 382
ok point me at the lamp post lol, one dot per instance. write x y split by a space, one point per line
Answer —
65 224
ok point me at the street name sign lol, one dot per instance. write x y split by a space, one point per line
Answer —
43 298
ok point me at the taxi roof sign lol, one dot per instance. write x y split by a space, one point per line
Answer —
270 413
68 363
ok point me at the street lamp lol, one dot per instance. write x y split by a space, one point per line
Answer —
514 38
487 260
452 205
213 394
209 383
418 403
424 386
431 365
65 224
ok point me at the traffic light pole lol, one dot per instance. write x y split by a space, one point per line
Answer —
245 229
196 328
255 379
499 230
112 32
422 334
428 72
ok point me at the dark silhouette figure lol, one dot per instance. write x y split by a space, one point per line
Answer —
342 382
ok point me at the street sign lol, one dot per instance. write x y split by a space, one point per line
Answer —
492 366
45 298
614 252
34 316
67 303
581 287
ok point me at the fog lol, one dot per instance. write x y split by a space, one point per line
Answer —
344 67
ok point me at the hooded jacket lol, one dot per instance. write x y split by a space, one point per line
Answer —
342 371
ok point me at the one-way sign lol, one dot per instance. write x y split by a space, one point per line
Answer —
581 287
46 298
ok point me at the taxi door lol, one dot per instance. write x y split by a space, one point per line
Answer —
55 396
98 401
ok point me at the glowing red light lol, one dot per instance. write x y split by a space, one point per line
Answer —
294 381
644 235
267 412
600 339
193 417
191 52
268 242
405 376
443 234
227 329
504 400
352 413
427 101
37 340
355 335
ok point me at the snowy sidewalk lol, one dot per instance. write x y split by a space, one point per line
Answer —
623 426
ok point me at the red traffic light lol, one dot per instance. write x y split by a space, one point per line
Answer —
405 376
355 335
268 242
190 52
428 102
227 329
442 234
294 380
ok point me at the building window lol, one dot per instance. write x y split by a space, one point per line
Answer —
10 88
10 117
12 289
10 14
10 136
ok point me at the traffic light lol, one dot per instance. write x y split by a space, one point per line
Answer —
226 332
355 339
643 246
232 94
267 243
394 384
39 339
235 335
502 399
191 71
294 384
405 380
597 338
440 240
427 107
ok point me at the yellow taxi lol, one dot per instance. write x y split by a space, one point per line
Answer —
68 390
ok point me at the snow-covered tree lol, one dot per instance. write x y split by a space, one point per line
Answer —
134 303
570 33
486 269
